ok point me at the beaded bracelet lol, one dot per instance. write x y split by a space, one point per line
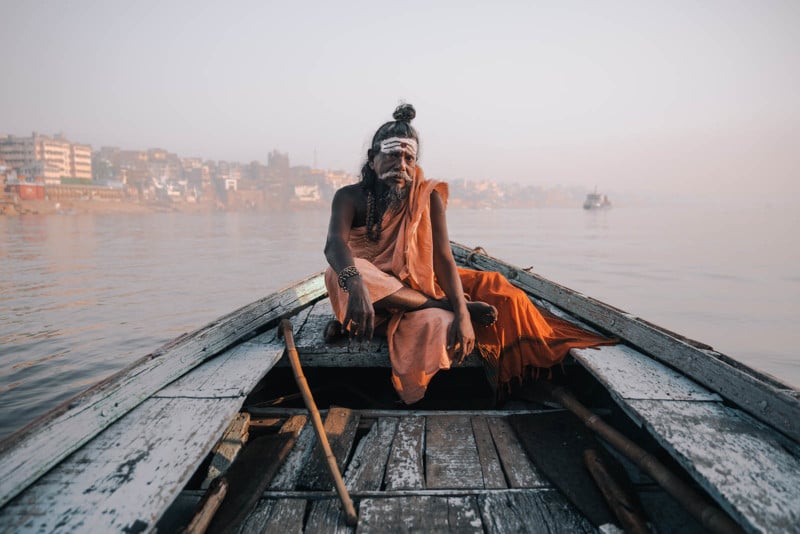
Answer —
345 274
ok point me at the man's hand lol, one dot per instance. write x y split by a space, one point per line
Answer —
359 320
460 338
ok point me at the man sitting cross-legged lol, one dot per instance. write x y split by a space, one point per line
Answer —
391 267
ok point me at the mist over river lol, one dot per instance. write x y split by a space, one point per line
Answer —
81 296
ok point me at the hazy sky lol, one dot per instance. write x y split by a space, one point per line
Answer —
653 97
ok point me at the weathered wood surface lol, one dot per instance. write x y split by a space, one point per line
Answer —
233 373
405 466
420 514
31 452
275 516
365 472
368 465
762 396
533 511
394 447
284 515
340 427
451 455
630 374
737 460
519 469
287 475
490 463
157 445
226 451
125 478
287 517
327 517
248 478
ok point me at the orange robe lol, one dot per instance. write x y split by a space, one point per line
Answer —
521 338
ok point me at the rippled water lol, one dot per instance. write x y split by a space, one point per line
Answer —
81 296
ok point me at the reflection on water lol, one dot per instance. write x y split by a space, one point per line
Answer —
82 296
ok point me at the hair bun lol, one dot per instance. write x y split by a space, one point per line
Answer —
404 113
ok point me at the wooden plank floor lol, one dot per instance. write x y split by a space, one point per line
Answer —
460 472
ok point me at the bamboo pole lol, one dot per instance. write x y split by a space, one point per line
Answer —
706 513
350 513
617 498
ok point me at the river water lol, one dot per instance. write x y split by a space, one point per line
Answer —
81 296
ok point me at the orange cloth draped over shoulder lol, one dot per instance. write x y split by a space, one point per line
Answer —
520 340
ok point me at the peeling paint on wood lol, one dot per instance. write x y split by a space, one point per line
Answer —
289 472
157 445
129 474
632 375
271 516
327 517
537 512
420 514
519 470
367 467
491 469
736 459
233 373
404 469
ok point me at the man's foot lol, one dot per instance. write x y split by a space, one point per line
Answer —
481 313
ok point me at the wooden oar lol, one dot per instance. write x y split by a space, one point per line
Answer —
350 513
706 513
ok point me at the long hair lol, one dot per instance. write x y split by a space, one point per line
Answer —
400 127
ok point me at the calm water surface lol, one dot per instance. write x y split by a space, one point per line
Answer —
82 296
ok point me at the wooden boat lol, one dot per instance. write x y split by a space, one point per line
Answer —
146 449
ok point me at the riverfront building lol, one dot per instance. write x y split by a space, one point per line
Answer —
50 159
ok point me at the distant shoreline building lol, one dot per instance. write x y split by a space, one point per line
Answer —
47 159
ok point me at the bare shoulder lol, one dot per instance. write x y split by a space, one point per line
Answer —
351 198
352 192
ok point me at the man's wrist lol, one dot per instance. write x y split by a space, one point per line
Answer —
346 275
353 283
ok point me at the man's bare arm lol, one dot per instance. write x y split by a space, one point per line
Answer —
337 251
360 316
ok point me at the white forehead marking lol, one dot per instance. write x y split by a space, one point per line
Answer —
399 144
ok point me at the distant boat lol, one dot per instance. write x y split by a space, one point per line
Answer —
596 201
